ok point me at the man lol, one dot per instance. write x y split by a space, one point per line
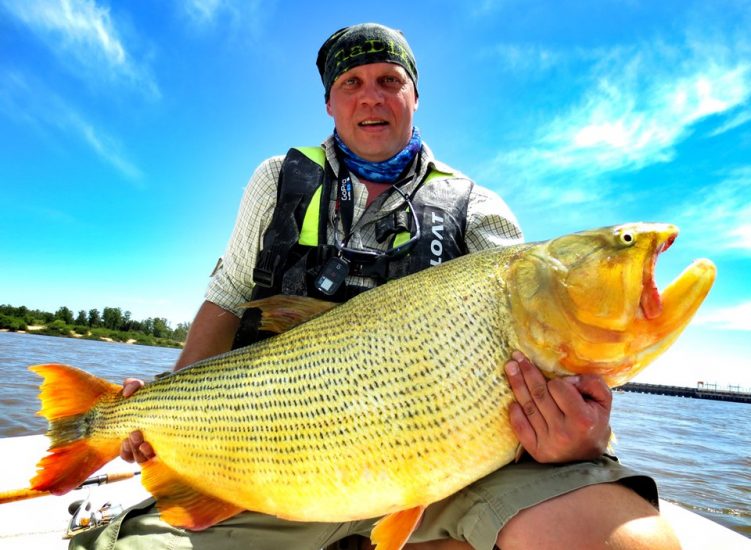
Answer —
335 221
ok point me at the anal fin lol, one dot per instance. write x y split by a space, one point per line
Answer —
179 503
392 532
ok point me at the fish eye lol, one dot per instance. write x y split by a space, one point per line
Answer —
627 238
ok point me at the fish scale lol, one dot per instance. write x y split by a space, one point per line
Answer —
342 408
384 404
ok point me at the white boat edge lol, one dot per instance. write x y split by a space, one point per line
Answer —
41 522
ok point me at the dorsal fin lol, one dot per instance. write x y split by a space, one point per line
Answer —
281 313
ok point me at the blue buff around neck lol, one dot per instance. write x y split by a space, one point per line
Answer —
386 171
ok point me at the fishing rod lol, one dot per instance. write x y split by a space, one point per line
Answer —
23 494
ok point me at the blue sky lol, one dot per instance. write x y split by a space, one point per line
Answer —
129 129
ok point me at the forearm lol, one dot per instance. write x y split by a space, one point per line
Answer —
211 333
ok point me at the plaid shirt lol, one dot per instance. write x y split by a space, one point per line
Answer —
490 223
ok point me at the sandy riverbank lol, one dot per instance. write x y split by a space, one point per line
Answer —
35 328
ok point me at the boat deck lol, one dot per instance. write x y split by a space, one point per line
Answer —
41 522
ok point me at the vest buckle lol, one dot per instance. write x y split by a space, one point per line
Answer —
264 274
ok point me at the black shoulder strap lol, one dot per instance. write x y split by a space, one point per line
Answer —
298 179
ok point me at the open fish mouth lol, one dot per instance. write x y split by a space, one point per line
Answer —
589 302
664 315
651 302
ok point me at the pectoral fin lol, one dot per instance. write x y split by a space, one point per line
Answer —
391 532
180 504
281 313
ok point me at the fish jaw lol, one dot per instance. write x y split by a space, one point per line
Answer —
680 301
588 302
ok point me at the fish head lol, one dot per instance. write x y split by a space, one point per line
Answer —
588 302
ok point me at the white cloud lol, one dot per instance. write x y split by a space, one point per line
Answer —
741 236
737 317
724 212
202 10
85 38
698 356
104 145
741 118
240 17
641 101
27 101
627 124
526 58
483 8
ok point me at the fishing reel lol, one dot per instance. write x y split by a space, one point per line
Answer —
84 516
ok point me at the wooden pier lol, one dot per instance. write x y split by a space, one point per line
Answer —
699 392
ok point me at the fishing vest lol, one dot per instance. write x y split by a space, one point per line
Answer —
295 247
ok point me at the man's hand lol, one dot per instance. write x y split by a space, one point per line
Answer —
211 333
558 420
134 448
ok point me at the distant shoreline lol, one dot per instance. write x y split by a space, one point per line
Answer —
40 330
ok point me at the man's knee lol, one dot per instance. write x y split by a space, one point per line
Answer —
598 516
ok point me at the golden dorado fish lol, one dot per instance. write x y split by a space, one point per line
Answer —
384 404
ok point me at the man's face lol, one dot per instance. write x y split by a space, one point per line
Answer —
373 106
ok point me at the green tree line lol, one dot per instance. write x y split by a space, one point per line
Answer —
111 323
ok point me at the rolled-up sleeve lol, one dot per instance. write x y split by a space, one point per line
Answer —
232 280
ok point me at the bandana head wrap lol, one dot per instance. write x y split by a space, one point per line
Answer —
361 45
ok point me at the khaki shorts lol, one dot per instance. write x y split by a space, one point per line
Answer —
475 514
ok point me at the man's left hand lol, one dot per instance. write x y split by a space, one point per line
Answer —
558 420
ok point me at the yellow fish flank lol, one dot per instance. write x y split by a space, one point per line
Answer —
384 404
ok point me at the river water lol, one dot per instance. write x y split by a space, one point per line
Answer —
698 451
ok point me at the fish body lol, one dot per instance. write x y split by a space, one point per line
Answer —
384 404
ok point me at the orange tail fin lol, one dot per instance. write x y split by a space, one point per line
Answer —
67 396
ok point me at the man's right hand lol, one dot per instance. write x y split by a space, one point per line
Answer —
134 448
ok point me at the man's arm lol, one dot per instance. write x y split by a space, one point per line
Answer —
211 333
214 327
